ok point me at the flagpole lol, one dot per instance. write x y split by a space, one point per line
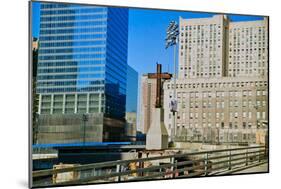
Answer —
171 40
175 81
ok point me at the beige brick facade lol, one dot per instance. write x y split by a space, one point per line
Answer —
147 102
222 88
223 106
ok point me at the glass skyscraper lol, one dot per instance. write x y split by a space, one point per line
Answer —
82 59
132 90
82 67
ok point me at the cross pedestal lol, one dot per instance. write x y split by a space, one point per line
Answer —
157 135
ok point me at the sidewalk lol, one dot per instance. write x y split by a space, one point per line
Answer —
260 168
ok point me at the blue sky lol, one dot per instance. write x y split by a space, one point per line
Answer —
35 19
147 29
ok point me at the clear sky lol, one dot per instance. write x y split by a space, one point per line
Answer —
35 19
147 30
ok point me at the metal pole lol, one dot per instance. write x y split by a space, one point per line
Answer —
118 170
84 119
229 160
175 77
246 157
172 160
218 130
206 163
171 40
84 133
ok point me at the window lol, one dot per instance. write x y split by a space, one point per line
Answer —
191 94
263 115
236 103
204 104
244 125
249 125
217 115
191 104
218 94
258 115
204 115
205 94
250 103
218 104
250 93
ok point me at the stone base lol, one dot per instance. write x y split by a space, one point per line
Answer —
157 135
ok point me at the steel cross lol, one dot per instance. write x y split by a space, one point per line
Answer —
159 76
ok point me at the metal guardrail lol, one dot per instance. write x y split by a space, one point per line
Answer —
167 166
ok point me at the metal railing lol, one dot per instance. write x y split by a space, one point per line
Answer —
193 164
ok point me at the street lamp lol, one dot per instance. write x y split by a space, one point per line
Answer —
172 40
35 128
256 106
84 118
218 135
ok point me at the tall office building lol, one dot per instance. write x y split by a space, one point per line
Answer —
218 47
222 86
82 65
202 47
132 90
247 53
147 102
131 103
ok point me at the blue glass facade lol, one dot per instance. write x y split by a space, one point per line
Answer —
82 59
132 90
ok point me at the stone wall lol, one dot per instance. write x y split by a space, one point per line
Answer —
69 128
